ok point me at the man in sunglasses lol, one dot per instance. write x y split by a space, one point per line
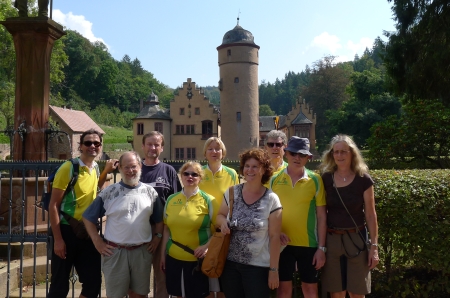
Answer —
303 227
275 143
68 250
164 180
129 244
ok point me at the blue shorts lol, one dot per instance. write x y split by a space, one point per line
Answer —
301 255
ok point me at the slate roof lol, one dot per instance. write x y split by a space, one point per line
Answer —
301 119
77 121
153 112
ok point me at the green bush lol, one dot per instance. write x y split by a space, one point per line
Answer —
413 208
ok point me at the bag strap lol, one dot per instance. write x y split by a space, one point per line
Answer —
343 204
183 247
231 200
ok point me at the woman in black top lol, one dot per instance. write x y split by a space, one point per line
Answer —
350 213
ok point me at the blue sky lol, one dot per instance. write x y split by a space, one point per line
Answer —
176 40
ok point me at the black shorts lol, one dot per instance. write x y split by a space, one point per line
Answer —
301 255
196 284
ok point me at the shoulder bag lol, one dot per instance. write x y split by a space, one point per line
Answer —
216 256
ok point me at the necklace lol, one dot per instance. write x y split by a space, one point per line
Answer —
344 178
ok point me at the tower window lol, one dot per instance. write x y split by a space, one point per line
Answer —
236 80
159 127
228 52
238 116
140 128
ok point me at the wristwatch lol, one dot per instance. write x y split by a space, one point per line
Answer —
159 235
323 248
273 269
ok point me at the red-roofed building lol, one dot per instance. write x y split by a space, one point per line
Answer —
74 123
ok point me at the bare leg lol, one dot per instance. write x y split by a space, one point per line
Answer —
285 289
310 290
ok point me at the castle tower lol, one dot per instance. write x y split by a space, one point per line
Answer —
238 84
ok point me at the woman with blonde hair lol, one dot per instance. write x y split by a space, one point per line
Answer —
188 215
350 213
218 178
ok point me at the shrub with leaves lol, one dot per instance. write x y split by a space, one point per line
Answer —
413 208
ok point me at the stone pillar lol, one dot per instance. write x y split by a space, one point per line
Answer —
33 42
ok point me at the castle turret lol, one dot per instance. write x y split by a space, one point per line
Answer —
239 98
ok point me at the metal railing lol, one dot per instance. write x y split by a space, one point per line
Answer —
23 225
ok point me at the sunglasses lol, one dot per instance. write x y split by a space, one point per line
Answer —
278 145
297 154
192 174
89 143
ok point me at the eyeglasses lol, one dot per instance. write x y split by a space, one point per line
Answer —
192 174
132 168
89 143
271 144
340 152
298 154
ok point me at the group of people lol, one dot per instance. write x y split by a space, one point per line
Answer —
284 218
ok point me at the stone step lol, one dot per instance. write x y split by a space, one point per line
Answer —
28 250
40 291
41 288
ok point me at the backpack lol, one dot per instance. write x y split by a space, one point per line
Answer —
48 185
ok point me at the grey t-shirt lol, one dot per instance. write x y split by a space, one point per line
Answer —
250 235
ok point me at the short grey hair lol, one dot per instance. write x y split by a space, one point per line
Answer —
274 134
132 153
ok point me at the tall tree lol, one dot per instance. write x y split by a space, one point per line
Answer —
418 54
326 91
420 133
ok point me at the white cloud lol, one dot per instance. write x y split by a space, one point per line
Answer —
327 41
359 47
77 23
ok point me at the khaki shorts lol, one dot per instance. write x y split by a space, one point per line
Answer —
341 272
127 269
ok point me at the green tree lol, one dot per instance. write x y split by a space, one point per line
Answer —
265 110
417 55
422 132
326 90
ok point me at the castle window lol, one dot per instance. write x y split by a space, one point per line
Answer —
302 131
190 129
179 130
207 129
159 127
179 153
236 80
238 116
220 84
140 128
190 153
181 111
197 111
228 52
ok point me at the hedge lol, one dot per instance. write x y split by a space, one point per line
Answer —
413 209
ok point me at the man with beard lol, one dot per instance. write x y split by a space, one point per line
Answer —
164 180
129 243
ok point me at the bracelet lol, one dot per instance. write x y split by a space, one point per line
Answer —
273 269
374 244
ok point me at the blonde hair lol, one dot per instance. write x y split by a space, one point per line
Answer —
218 141
195 165
328 164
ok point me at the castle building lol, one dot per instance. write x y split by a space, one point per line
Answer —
191 118
239 96
186 125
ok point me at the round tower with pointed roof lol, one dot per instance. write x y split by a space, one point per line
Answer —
238 84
